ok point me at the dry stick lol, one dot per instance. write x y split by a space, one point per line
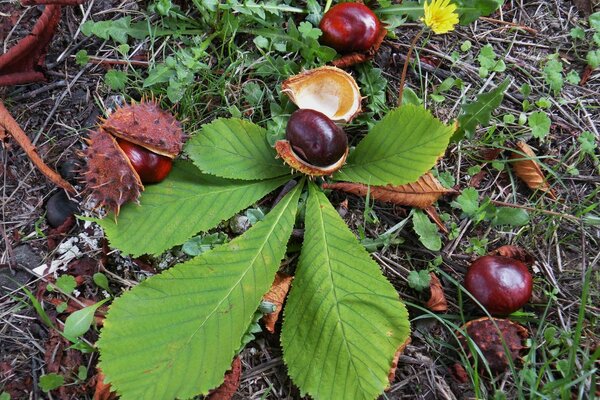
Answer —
500 22
405 68
12 127
505 204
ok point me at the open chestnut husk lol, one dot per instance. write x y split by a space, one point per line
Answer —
115 172
314 144
489 334
331 91
501 284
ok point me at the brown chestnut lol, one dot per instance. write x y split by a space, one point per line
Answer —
350 27
315 138
501 284
151 167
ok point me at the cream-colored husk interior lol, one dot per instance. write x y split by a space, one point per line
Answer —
327 91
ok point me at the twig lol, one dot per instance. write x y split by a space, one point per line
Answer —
500 22
557 214
12 127
405 68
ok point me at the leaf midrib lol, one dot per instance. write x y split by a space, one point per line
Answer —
331 278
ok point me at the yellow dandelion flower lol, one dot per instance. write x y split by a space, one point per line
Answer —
440 16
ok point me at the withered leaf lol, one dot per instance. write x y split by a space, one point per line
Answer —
421 194
437 302
527 168
515 252
103 390
276 295
392 373
231 383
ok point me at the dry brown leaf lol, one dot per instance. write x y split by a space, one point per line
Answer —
421 194
103 391
527 168
276 295
516 252
437 302
392 373
230 384
435 217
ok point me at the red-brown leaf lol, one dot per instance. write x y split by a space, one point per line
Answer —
516 252
527 168
103 390
392 373
231 383
276 295
437 302
421 194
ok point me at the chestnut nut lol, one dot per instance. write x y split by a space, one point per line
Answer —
315 138
151 167
350 27
501 284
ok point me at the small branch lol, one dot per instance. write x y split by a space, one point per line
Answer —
12 128
405 68
56 2
557 214
512 24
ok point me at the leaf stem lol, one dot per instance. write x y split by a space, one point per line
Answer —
405 69
557 214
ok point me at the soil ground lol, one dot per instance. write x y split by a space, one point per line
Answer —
57 114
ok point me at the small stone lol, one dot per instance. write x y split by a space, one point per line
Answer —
59 207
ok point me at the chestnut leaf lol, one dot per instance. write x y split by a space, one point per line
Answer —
182 205
174 335
235 148
343 320
400 148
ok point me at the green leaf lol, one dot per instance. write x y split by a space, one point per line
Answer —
480 111
185 203
82 57
175 334
510 216
593 58
539 122
470 10
307 30
343 320
66 283
235 148
468 202
595 21
101 281
51 381
419 280
80 321
400 148
116 80
553 73
427 231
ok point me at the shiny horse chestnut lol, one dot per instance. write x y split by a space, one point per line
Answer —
501 284
315 138
151 167
350 27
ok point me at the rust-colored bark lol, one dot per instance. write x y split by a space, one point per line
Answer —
23 62
11 127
